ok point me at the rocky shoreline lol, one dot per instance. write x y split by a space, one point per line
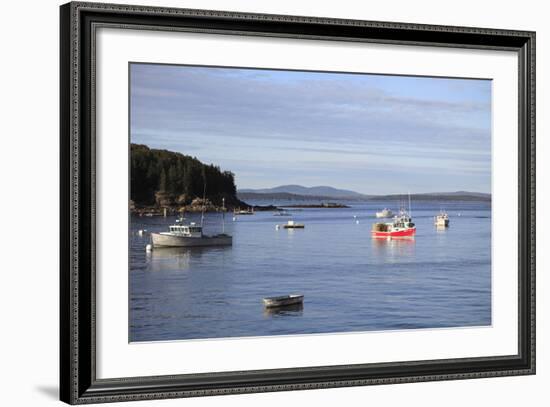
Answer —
320 205
171 204
167 205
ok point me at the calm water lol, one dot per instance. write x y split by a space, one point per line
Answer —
351 282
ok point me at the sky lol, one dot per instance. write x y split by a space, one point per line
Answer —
374 134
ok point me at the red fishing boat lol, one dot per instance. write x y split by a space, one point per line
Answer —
401 226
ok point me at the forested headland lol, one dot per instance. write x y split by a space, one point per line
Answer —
162 178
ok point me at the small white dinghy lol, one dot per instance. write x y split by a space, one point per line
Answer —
283 300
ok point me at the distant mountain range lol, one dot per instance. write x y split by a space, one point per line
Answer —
305 191
324 193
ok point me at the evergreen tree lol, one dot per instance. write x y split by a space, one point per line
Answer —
154 170
162 181
171 180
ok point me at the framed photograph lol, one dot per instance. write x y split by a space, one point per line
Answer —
255 203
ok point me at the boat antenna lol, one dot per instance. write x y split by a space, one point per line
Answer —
410 212
203 203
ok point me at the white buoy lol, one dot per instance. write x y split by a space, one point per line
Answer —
140 232
354 216
148 248
234 218
356 222
277 227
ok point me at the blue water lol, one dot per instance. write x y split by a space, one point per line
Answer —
351 282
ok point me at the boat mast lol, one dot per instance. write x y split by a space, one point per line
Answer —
410 212
203 203
223 215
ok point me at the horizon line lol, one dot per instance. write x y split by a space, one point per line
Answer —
255 191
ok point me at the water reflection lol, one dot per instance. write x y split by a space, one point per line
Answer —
353 282
287 310
177 258
393 250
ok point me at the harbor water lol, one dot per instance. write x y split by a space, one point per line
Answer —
350 281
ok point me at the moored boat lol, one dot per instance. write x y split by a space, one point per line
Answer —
190 235
282 212
442 220
239 211
384 213
283 300
293 225
401 226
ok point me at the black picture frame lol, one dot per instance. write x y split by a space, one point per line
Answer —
78 382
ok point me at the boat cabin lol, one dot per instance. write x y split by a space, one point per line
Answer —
403 222
191 230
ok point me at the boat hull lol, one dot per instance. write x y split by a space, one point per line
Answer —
283 301
410 232
165 240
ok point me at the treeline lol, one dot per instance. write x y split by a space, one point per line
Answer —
160 171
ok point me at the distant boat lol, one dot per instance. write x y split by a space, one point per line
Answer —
385 213
441 220
282 213
283 300
249 211
293 225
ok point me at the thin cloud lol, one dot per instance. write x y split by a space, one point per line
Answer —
235 117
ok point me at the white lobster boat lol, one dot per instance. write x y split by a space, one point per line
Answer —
191 235
385 213
181 235
442 220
